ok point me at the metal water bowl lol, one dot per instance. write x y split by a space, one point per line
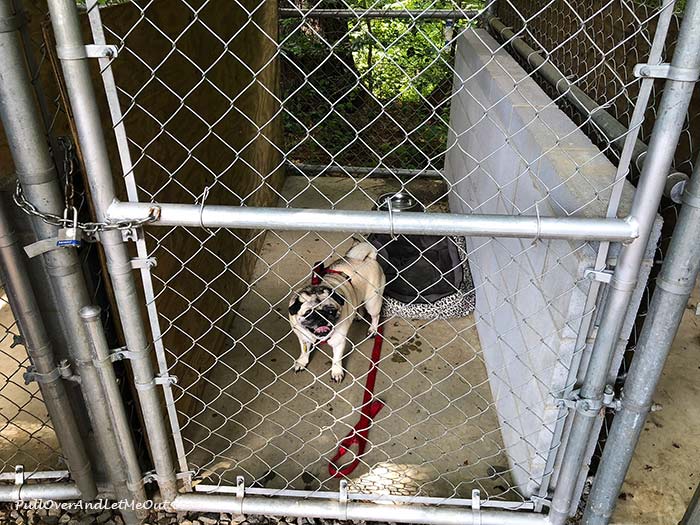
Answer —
400 201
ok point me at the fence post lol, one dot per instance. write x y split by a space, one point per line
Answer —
673 288
71 51
662 146
36 341
103 363
36 172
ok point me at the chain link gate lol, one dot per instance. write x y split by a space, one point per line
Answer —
256 140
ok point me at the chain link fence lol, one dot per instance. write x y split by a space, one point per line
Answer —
254 105
27 436
435 107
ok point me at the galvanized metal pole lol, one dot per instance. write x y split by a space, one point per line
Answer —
609 126
353 510
386 14
39 491
664 139
36 341
351 221
36 172
71 51
102 359
673 288
692 513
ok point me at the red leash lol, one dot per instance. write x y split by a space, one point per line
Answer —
370 408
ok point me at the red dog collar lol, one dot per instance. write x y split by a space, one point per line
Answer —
319 270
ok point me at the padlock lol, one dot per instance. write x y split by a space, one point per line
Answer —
71 235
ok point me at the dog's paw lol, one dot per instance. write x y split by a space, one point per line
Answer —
337 373
372 332
300 364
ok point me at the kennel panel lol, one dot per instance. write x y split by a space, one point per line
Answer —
545 166
215 100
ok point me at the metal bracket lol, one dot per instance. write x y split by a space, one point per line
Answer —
343 492
32 375
165 380
186 477
666 71
590 407
12 23
603 276
87 51
476 506
19 475
541 501
138 263
119 354
129 234
240 493
150 477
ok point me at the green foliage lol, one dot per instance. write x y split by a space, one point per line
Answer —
368 92
398 58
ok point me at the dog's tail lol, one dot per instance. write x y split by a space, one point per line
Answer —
362 251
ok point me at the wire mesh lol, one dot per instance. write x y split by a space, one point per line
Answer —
27 438
224 103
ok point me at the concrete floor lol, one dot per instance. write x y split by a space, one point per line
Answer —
438 432
266 411
665 469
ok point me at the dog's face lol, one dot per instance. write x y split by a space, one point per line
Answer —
316 309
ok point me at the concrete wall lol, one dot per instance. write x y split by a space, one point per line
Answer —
512 151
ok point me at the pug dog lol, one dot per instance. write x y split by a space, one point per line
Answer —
324 311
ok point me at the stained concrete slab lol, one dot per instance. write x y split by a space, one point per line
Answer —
438 434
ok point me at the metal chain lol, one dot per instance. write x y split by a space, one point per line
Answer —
63 222
68 171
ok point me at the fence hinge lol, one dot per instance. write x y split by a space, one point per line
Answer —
138 263
603 276
590 407
666 71
86 51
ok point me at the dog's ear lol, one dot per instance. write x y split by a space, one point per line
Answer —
294 306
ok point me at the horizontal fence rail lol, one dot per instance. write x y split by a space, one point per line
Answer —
352 510
290 219
405 14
